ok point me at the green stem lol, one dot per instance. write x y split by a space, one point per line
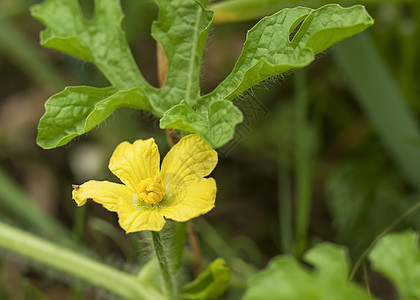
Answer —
284 197
62 259
178 244
303 159
164 264
78 230
79 224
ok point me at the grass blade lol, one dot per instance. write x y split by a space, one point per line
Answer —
379 95
19 205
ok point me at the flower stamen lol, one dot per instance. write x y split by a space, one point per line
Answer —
151 190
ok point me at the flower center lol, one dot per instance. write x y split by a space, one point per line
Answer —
151 190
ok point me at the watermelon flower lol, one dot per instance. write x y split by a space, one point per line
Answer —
149 194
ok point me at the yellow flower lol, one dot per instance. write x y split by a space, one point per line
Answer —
177 191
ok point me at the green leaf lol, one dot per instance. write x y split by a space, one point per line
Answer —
182 116
76 110
397 256
216 124
181 29
211 284
100 40
284 278
268 51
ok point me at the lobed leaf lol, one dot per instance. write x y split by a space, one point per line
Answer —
268 51
182 29
100 40
284 278
76 110
397 256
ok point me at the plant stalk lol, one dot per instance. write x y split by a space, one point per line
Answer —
177 245
284 197
69 262
164 264
303 164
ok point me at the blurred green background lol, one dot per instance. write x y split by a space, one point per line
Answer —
334 147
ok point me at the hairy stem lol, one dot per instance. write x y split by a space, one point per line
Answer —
164 264
177 245
180 229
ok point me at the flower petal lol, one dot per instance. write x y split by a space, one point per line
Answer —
104 192
188 161
132 163
133 219
187 203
